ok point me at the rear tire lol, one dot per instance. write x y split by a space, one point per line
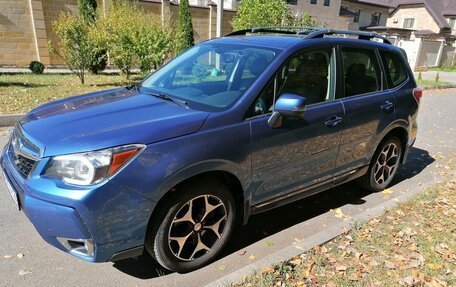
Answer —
383 166
192 226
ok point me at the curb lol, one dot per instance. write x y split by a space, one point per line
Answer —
312 241
439 87
9 120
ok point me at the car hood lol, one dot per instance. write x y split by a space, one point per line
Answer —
106 119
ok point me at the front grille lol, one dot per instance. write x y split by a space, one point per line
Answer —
23 165
22 153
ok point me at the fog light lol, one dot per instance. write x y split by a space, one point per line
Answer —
82 247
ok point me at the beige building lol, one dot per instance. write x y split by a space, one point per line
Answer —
366 13
26 25
427 17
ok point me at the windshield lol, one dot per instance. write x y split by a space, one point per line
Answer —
211 76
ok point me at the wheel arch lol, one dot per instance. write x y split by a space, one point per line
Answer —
400 132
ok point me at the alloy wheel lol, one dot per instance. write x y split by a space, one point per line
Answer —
197 227
386 164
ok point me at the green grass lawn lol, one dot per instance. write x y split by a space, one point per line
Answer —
430 83
23 92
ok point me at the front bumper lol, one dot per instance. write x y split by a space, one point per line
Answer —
94 224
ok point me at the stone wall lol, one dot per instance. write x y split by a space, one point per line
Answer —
17 46
26 26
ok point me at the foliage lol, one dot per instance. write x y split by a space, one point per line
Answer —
420 77
305 20
153 43
76 46
184 28
87 9
259 13
437 77
129 34
36 67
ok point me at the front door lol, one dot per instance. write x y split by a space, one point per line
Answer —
302 152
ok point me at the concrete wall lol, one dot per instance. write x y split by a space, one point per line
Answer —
26 26
423 20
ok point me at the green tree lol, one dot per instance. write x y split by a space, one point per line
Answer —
117 33
184 28
76 46
260 13
153 43
87 9
305 20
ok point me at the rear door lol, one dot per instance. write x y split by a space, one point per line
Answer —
369 106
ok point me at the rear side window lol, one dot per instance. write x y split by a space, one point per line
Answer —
394 67
361 71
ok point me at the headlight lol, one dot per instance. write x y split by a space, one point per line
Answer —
91 167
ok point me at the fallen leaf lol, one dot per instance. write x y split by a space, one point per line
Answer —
341 268
222 267
20 255
23 272
338 213
389 264
251 257
269 243
8 256
435 266
409 281
242 253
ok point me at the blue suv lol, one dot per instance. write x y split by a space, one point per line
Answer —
232 127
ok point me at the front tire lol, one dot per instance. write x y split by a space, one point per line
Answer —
192 226
383 166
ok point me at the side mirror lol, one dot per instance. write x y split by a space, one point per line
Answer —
288 105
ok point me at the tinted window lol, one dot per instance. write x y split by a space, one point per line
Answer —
361 71
395 70
308 74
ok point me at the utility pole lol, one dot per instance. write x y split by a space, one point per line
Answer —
219 18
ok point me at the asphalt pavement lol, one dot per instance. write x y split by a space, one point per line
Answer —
265 234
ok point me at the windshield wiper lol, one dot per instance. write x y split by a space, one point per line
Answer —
133 87
162 96
165 97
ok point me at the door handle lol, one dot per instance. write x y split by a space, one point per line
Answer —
386 106
333 121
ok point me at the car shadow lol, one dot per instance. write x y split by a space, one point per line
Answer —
261 225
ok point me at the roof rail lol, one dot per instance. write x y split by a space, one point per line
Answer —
361 34
309 32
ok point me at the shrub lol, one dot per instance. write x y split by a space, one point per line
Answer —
76 46
420 76
437 77
184 28
259 13
153 43
305 20
117 32
87 9
36 67
99 63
